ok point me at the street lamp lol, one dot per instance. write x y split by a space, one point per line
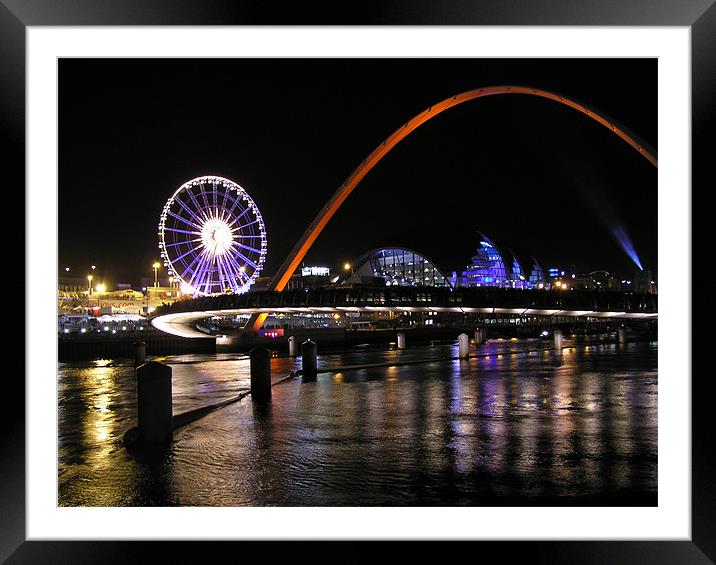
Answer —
100 288
156 281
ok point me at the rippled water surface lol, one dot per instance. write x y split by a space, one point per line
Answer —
501 429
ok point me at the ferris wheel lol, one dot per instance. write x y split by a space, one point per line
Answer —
212 237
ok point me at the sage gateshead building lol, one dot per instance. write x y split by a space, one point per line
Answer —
491 267
398 266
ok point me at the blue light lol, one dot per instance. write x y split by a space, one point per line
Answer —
625 243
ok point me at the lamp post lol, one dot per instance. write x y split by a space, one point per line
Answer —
100 288
156 280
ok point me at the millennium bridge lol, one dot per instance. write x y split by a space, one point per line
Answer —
184 318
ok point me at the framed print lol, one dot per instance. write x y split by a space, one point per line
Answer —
393 277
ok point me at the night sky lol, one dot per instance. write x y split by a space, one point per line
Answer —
528 172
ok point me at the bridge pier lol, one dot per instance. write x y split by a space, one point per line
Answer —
401 341
558 341
260 359
463 344
140 350
622 336
292 347
154 403
309 365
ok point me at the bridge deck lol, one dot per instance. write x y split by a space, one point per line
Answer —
180 317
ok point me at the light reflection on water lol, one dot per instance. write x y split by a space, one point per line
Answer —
508 429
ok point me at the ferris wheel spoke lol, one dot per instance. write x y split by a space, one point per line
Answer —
241 275
247 225
237 218
249 261
194 201
203 195
187 222
236 202
198 277
231 275
178 243
224 278
206 282
188 210
192 250
182 231
242 246
223 202
196 260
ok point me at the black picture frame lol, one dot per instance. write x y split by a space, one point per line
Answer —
698 15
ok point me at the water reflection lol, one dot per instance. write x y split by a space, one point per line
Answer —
533 428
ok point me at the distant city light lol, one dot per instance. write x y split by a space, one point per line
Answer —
101 287
315 271
67 269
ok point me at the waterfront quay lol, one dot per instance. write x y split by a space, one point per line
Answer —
516 423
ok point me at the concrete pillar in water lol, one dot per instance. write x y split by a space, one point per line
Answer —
140 350
260 373
463 343
401 341
308 360
558 340
292 346
154 402
479 336
622 335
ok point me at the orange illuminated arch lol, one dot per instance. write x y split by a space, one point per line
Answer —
298 252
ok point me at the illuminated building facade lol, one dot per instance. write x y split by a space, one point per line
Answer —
491 267
395 266
486 269
536 277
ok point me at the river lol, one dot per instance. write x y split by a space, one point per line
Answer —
516 426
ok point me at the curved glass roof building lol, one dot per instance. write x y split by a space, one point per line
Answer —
398 266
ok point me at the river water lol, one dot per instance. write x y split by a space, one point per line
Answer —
505 428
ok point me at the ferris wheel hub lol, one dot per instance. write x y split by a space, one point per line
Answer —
216 236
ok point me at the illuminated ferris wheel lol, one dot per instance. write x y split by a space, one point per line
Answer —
212 237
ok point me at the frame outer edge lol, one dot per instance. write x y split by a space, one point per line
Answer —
12 152
703 124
